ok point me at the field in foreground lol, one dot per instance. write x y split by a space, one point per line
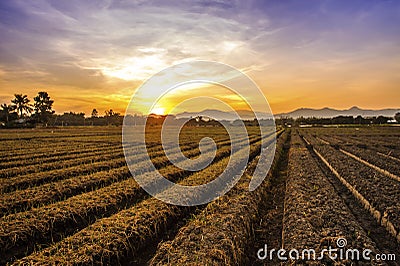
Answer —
69 198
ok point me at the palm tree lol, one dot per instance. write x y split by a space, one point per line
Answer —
21 104
43 106
7 110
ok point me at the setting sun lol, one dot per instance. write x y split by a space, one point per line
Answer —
158 111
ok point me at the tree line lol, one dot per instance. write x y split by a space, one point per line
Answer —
339 120
21 112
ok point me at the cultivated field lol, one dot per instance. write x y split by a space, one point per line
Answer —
68 197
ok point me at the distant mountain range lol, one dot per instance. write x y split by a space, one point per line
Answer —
329 112
302 112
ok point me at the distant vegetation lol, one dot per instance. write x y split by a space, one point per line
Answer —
21 112
339 120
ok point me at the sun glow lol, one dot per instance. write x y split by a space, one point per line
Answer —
158 111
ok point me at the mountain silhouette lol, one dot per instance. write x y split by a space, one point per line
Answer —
301 112
329 112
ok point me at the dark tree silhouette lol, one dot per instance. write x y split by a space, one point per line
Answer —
21 104
6 112
397 117
109 113
43 106
95 113
112 117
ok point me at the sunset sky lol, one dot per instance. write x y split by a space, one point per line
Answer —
94 54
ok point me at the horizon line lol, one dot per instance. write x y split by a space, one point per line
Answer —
273 113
